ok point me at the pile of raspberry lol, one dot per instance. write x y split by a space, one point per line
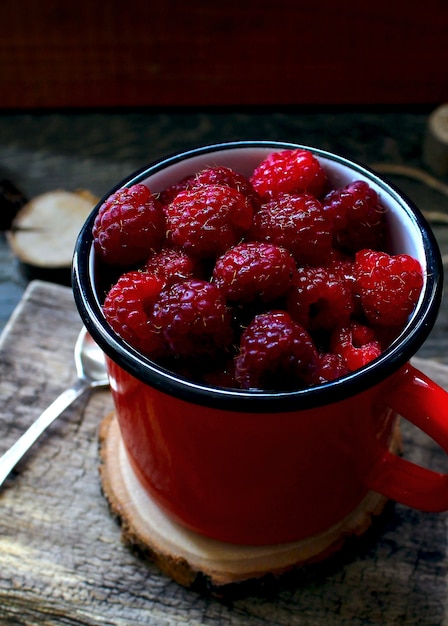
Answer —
272 282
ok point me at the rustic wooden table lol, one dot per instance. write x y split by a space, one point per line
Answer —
61 558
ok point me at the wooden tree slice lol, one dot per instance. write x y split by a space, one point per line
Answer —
188 557
44 231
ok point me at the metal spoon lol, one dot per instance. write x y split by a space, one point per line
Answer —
91 374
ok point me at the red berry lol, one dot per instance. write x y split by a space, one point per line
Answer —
275 353
254 270
289 171
344 268
357 217
194 319
170 264
222 376
167 195
356 344
328 367
209 219
389 286
297 223
220 175
129 225
319 299
128 308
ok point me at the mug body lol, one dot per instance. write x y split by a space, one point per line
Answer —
252 478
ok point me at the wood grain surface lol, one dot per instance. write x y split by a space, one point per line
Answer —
61 558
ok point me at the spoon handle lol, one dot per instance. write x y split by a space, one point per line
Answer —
12 456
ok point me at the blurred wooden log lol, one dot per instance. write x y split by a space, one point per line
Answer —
435 147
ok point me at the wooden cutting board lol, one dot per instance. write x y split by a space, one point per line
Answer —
61 558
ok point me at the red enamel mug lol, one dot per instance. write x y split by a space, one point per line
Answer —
256 467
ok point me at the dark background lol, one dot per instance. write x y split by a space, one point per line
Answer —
200 53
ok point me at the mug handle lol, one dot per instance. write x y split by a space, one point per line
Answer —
425 404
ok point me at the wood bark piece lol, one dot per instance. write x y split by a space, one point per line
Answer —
435 147
61 558
187 556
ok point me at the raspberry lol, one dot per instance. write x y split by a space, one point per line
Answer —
209 219
297 223
357 217
167 195
275 353
389 286
223 376
356 344
328 367
129 225
319 299
170 264
289 171
128 307
229 178
254 270
194 319
218 175
344 268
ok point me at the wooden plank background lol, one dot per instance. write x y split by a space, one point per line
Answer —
142 53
